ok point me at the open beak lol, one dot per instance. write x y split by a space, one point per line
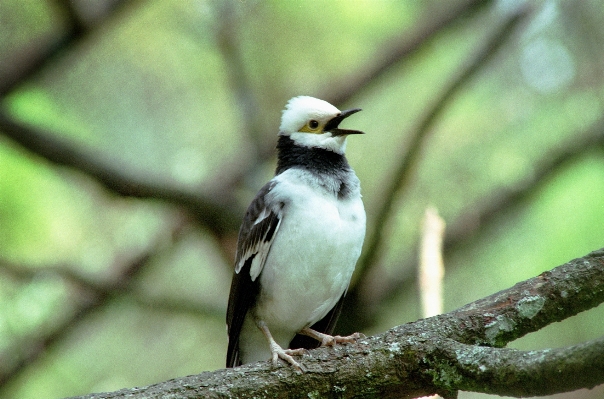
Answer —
332 125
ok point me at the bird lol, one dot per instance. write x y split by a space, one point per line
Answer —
299 242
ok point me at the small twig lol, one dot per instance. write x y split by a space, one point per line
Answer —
431 266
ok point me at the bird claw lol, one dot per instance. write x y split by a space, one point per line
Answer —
332 340
338 339
286 354
278 351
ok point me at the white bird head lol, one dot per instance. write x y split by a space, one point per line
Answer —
311 122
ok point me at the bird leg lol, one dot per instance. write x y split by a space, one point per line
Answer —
331 340
278 351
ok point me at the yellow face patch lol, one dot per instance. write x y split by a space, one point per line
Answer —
312 126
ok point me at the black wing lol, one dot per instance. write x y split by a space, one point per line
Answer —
256 235
325 326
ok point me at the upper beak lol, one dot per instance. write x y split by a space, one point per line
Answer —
332 125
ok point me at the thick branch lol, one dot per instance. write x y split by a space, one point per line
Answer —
533 304
441 354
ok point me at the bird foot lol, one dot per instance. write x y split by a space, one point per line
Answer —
332 340
278 351
286 354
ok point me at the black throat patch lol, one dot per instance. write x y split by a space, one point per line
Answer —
319 161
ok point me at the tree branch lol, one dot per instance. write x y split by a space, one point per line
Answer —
441 354
535 303
512 372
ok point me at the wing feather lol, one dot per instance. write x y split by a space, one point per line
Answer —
257 233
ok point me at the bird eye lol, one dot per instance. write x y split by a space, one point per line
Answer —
313 124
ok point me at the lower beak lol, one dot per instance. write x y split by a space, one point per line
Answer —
344 132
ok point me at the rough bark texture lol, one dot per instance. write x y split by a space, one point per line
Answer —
460 350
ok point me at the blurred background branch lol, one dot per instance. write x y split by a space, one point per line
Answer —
219 215
94 297
481 215
411 156
43 53
401 48
484 215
